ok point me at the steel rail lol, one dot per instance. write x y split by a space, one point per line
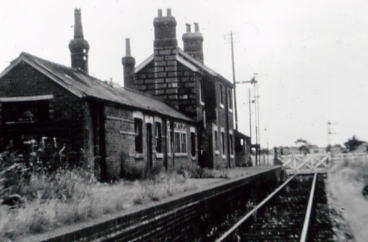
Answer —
235 226
303 236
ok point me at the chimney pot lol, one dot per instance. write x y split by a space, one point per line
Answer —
193 43
159 13
188 28
78 46
168 12
127 47
196 27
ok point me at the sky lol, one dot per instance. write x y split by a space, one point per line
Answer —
310 55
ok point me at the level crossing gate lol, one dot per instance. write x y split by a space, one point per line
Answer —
309 163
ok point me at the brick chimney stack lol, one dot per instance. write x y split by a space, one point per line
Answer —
128 62
165 65
79 46
165 30
193 42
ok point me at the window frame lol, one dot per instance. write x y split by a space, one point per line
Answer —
215 138
168 138
39 109
223 146
201 94
221 92
158 137
230 99
193 143
138 134
231 146
180 139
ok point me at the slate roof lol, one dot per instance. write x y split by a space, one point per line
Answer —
240 134
189 62
83 85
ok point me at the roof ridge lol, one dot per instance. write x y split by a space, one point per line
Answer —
68 67
145 62
94 87
201 65
26 54
150 96
192 59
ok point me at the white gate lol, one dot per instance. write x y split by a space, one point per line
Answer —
309 163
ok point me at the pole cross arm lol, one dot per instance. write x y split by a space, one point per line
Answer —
253 81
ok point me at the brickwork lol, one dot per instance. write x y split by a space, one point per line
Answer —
193 42
179 88
79 46
172 81
160 77
219 116
119 137
121 156
66 117
73 120
166 68
98 125
189 88
225 124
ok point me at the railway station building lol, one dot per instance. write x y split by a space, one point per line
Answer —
172 111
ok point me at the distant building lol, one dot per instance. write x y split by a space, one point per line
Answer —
314 149
242 149
173 110
294 150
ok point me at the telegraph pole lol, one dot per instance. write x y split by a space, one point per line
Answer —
253 82
250 115
234 79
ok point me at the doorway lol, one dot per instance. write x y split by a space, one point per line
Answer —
149 144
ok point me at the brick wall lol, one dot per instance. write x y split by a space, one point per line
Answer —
221 118
172 82
188 103
121 156
119 139
66 116
189 96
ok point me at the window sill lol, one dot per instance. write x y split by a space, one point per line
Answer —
201 103
159 155
230 110
19 122
194 158
223 157
222 106
138 156
232 156
180 154
217 152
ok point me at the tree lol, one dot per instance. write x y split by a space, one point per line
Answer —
304 145
353 143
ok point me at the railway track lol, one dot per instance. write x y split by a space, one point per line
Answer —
295 211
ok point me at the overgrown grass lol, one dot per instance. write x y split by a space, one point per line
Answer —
195 171
163 186
67 197
355 169
344 187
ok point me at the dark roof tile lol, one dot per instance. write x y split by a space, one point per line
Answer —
84 85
